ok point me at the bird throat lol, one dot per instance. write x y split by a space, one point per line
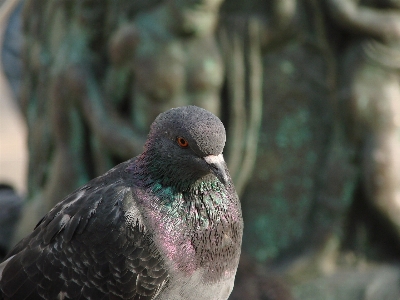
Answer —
200 232
199 228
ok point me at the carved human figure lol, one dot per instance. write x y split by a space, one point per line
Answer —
102 73
181 53
167 67
155 64
371 85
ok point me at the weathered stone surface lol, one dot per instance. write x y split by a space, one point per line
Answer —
374 283
292 192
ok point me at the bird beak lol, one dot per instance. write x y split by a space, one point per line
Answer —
217 164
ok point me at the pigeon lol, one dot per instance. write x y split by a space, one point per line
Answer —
164 225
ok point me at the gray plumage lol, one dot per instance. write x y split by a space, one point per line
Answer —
10 209
164 225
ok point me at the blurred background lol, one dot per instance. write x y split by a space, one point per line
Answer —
308 90
13 148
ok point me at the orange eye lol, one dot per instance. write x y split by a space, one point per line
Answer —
182 142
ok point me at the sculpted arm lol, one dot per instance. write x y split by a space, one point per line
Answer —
98 101
380 23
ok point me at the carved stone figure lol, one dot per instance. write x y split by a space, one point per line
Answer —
371 88
102 73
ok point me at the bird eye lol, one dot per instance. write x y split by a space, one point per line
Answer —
182 142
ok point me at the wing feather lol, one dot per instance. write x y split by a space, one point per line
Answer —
70 228
86 247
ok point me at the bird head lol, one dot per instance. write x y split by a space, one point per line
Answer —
184 145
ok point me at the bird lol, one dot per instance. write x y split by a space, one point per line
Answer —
166 225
